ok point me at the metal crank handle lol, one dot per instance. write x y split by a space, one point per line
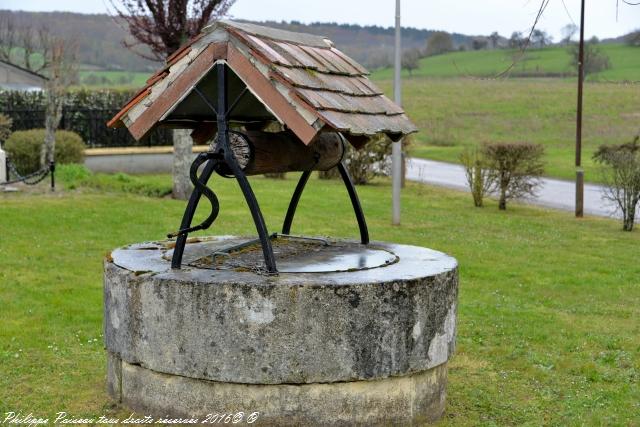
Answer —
204 190
185 231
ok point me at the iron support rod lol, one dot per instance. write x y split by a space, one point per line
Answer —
206 99
355 202
293 205
223 142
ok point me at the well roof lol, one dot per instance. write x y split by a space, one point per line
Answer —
300 80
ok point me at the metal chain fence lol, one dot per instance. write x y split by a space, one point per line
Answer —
14 177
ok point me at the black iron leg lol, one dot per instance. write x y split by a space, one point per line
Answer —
230 160
293 204
355 202
258 219
178 251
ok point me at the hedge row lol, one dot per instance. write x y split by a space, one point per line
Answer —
77 99
85 112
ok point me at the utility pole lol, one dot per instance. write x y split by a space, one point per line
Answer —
396 152
579 170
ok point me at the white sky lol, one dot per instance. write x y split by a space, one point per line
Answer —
462 16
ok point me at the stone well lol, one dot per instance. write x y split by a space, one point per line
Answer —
345 334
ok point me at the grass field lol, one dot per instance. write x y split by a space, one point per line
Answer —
548 329
456 113
550 61
113 79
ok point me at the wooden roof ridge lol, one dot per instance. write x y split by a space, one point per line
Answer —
275 33
302 79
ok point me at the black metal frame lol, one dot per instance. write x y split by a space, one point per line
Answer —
221 159
355 202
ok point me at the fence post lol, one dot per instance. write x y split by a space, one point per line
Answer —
4 175
52 171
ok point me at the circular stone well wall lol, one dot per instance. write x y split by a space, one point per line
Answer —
345 334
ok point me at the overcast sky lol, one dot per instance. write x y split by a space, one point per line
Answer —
463 16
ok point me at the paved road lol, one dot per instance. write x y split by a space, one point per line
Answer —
554 193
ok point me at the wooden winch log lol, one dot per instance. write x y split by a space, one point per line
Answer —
259 152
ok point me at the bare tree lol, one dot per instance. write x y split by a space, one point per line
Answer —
28 42
163 27
568 31
61 69
621 175
23 45
57 59
495 38
516 169
479 176
8 37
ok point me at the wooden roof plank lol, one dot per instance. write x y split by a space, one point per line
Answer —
368 124
351 61
301 58
266 92
313 52
269 52
309 79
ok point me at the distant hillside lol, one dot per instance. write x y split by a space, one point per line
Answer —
553 61
100 38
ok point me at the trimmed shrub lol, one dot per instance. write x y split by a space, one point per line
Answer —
516 169
479 176
23 149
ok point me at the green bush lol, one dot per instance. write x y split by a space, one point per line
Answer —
73 176
23 148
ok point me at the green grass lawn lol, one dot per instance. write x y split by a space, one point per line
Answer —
456 113
550 61
548 329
